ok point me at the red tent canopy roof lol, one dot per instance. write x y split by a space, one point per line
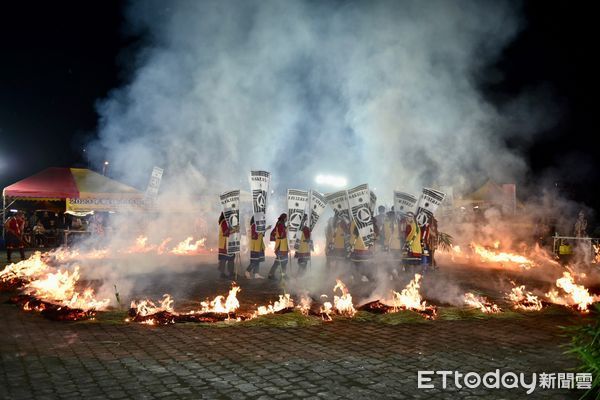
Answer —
57 183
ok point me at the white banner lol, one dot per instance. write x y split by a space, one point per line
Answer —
231 210
429 201
316 207
359 199
297 202
259 184
339 203
404 202
153 185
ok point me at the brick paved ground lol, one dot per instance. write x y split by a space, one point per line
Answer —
344 359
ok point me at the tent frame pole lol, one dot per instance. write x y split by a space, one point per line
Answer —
3 212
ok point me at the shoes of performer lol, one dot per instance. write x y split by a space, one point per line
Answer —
248 275
272 277
258 276
364 279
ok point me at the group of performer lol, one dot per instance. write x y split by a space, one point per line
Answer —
400 243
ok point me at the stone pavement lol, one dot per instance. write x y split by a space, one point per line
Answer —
344 359
41 359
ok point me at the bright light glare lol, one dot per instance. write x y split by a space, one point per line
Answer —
330 180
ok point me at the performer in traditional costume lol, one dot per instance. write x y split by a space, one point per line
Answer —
395 228
225 260
341 240
329 242
279 236
413 250
257 251
361 254
305 246
14 228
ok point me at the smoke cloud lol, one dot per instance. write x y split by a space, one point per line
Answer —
381 92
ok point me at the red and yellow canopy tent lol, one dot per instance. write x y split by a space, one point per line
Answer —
81 190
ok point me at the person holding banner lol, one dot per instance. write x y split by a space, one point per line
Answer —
341 240
257 251
360 254
395 227
412 243
304 247
279 236
226 260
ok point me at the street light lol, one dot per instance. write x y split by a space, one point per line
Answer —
104 168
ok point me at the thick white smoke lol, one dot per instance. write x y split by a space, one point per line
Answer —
381 92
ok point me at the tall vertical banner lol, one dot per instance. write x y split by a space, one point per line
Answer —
259 184
429 201
404 203
230 201
297 202
153 185
339 203
359 200
316 206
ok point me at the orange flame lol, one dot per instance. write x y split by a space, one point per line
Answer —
482 303
523 299
574 294
26 270
409 298
187 247
59 288
501 257
343 304
148 307
284 302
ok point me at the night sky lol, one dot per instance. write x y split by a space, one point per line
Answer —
59 58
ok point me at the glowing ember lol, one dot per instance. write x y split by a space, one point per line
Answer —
501 257
343 304
523 299
187 247
574 294
481 303
285 302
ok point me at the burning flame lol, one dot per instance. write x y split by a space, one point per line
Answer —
343 304
187 247
148 307
574 294
326 310
59 288
217 306
482 303
524 299
284 302
409 298
140 246
25 270
501 257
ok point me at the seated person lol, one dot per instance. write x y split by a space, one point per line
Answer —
39 234
76 224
